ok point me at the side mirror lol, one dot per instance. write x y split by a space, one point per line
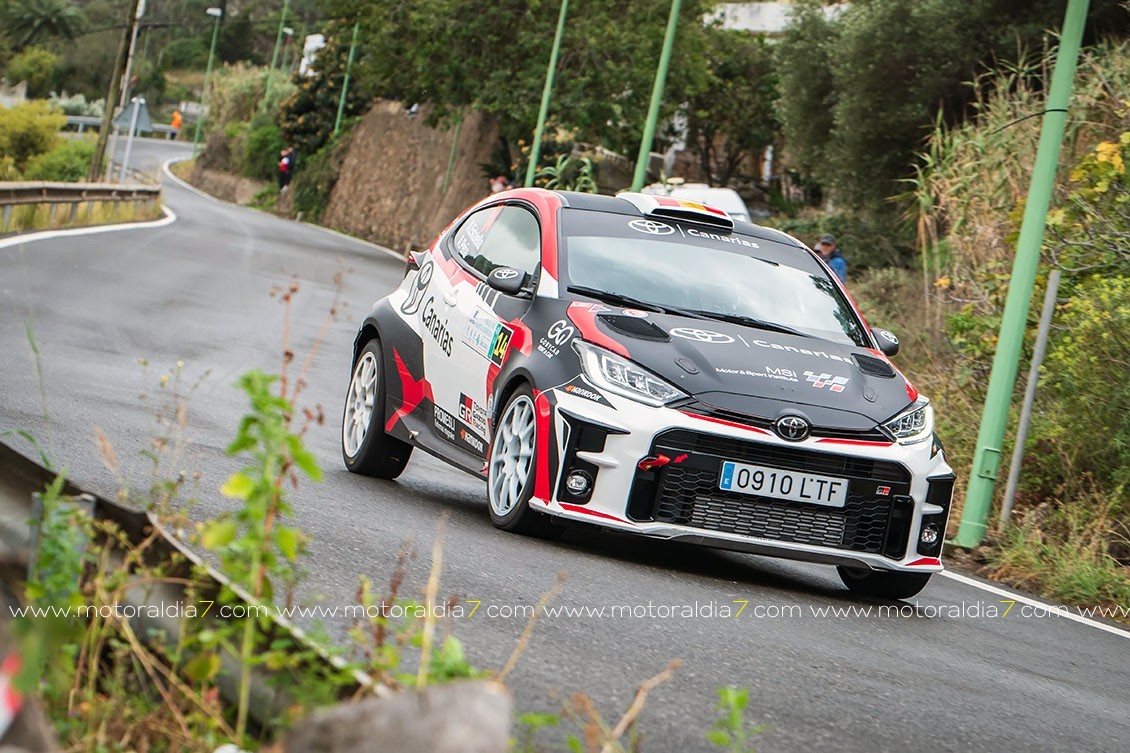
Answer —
507 280
888 343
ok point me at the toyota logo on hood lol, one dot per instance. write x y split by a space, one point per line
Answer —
792 428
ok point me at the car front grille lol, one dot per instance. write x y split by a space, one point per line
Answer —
686 493
710 411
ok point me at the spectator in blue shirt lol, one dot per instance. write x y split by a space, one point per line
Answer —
831 255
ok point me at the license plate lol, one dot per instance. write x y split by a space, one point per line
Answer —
778 484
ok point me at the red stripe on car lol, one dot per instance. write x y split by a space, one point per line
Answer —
544 436
925 561
595 513
412 391
857 442
584 316
724 422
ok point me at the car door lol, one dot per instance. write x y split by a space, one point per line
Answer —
502 235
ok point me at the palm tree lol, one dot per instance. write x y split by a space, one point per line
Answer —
29 22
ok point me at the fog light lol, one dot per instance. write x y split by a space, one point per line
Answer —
929 535
578 483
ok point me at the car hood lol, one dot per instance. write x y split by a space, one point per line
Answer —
763 373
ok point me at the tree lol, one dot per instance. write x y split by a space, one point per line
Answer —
860 92
807 101
35 65
732 119
490 55
30 22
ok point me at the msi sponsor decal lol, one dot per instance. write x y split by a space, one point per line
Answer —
783 375
472 414
558 334
820 381
417 288
471 443
578 388
802 351
436 327
444 423
701 335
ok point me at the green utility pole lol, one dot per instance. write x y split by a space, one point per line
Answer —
219 14
275 55
656 97
986 459
535 148
345 84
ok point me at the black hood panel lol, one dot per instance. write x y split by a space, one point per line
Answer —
765 374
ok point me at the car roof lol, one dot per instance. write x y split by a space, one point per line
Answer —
615 205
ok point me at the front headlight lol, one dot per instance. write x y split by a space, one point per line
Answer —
610 372
912 426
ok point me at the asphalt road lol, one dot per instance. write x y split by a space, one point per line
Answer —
197 290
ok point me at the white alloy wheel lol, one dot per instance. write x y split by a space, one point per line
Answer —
511 457
359 404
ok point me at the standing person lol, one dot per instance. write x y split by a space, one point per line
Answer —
831 255
176 122
286 167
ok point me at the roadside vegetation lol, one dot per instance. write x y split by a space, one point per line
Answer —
195 682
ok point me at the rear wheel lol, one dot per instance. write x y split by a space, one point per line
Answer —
365 447
510 473
884 584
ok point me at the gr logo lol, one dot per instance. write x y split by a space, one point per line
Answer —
560 332
416 294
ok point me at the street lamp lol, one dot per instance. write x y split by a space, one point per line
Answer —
275 56
218 13
286 47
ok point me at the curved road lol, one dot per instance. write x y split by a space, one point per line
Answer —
943 676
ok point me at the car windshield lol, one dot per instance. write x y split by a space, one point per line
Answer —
706 270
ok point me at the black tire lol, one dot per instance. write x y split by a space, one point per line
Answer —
883 584
374 453
516 515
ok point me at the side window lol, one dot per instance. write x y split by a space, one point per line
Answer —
499 236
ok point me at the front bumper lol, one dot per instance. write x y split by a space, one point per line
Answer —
894 491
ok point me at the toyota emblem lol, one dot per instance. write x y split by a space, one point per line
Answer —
701 335
651 227
792 428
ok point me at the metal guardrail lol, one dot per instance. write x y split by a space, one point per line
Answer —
82 122
55 194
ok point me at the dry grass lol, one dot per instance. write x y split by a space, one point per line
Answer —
29 217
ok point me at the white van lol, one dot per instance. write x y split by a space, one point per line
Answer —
726 199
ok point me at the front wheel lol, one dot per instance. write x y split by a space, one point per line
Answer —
510 472
365 447
883 584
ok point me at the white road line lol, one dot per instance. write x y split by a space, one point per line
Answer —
184 184
18 240
198 192
1052 609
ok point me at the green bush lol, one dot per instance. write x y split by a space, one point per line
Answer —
27 130
37 66
880 240
1084 413
261 152
69 162
316 178
191 52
